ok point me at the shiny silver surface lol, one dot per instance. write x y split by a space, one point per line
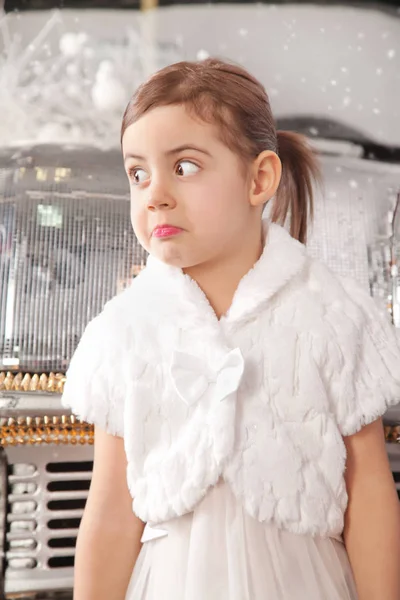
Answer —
67 247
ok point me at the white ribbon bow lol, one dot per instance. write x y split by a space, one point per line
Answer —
192 377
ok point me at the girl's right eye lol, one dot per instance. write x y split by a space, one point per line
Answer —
138 175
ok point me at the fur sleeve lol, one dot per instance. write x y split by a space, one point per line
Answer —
89 391
364 359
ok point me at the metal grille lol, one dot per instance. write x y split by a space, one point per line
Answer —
47 494
65 251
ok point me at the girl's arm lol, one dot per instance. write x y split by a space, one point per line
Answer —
372 520
109 536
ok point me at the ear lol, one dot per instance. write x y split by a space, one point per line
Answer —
266 174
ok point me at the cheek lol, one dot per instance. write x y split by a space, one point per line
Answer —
214 202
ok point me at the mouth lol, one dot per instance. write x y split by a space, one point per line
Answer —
166 231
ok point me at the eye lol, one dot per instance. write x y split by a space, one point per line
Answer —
186 167
138 175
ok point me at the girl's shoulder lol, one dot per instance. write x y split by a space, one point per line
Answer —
340 293
359 351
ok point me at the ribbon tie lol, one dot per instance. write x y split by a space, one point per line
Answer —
192 377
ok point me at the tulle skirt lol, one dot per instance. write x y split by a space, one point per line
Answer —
219 552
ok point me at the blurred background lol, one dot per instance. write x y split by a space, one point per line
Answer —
67 71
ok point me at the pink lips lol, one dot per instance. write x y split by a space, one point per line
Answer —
165 231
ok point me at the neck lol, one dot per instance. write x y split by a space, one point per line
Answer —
220 278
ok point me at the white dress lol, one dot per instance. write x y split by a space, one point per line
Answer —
218 552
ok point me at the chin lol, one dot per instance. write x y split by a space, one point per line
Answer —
170 256
177 259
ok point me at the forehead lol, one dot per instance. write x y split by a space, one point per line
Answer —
167 126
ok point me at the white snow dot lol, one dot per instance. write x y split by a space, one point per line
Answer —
353 184
322 29
330 107
202 55
303 80
243 32
313 130
348 90
344 70
361 35
346 101
385 35
379 71
273 92
376 111
338 169
286 47
71 43
333 82
391 53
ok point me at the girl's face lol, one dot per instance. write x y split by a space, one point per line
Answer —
189 196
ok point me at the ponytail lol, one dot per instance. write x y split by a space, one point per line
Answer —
300 171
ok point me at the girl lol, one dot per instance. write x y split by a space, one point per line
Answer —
236 386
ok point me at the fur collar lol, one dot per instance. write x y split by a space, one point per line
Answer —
283 257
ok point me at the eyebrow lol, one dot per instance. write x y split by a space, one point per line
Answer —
183 148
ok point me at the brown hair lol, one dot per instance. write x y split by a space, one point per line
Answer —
227 95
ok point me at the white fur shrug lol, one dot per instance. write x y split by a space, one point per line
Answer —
260 398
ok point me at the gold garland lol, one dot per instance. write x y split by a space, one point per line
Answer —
20 382
70 430
392 434
63 429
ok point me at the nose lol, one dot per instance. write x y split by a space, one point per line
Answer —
160 198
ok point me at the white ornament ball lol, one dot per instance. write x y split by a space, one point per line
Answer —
71 44
109 95
202 55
